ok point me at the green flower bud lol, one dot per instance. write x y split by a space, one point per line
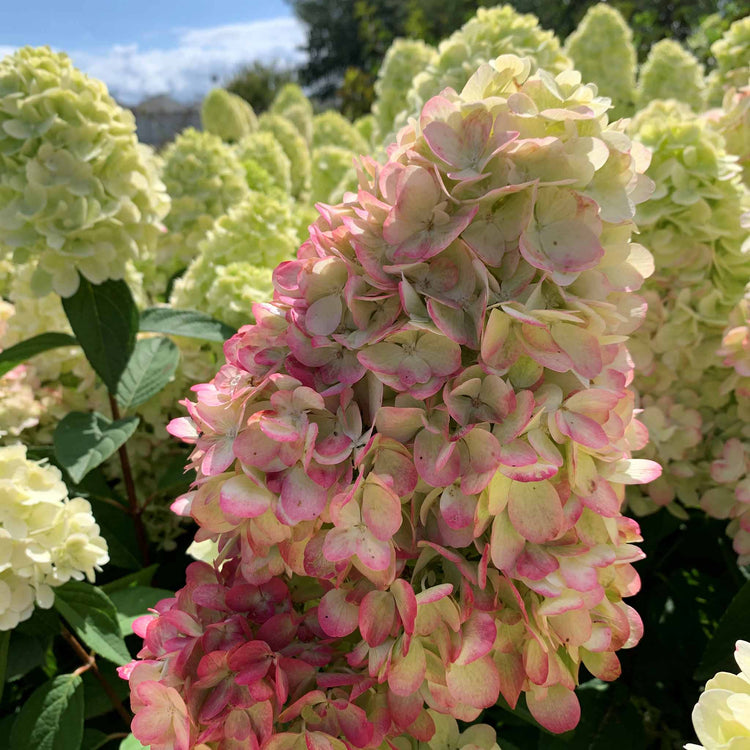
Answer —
671 72
404 58
227 115
732 53
333 129
333 173
264 150
205 178
295 148
603 37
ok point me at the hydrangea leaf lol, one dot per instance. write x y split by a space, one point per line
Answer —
83 441
52 718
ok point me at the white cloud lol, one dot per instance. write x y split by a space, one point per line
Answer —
198 58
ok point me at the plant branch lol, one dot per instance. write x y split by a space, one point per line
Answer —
89 663
127 475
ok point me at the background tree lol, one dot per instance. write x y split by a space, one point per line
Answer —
347 39
259 82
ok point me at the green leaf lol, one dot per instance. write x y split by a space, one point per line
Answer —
104 319
135 601
18 353
150 368
733 626
118 529
93 617
83 441
52 718
131 743
139 578
4 643
26 653
190 323
174 477
93 739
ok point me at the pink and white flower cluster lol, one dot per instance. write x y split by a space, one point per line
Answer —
730 470
413 462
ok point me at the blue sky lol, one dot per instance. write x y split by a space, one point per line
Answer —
142 48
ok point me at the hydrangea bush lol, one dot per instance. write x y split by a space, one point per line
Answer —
692 226
78 193
233 267
413 462
46 539
205 178
601 48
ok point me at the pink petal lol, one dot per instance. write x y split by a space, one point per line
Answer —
477 637
407 672
301 499
376 616
476 684
243 498
324 315
581 429
381 510
535 510
556 708
337 617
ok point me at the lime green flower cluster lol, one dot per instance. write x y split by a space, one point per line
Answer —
261 153
671 72
403 58
77 191
732 55
234 263
692 226
485 36
333 173
204 177
331 128
603 37
733 122
366 127
296 149
227 115
292 103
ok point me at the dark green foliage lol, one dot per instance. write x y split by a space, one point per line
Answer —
347 39
258 83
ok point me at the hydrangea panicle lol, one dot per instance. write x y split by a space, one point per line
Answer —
45 538
77 190
412 464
